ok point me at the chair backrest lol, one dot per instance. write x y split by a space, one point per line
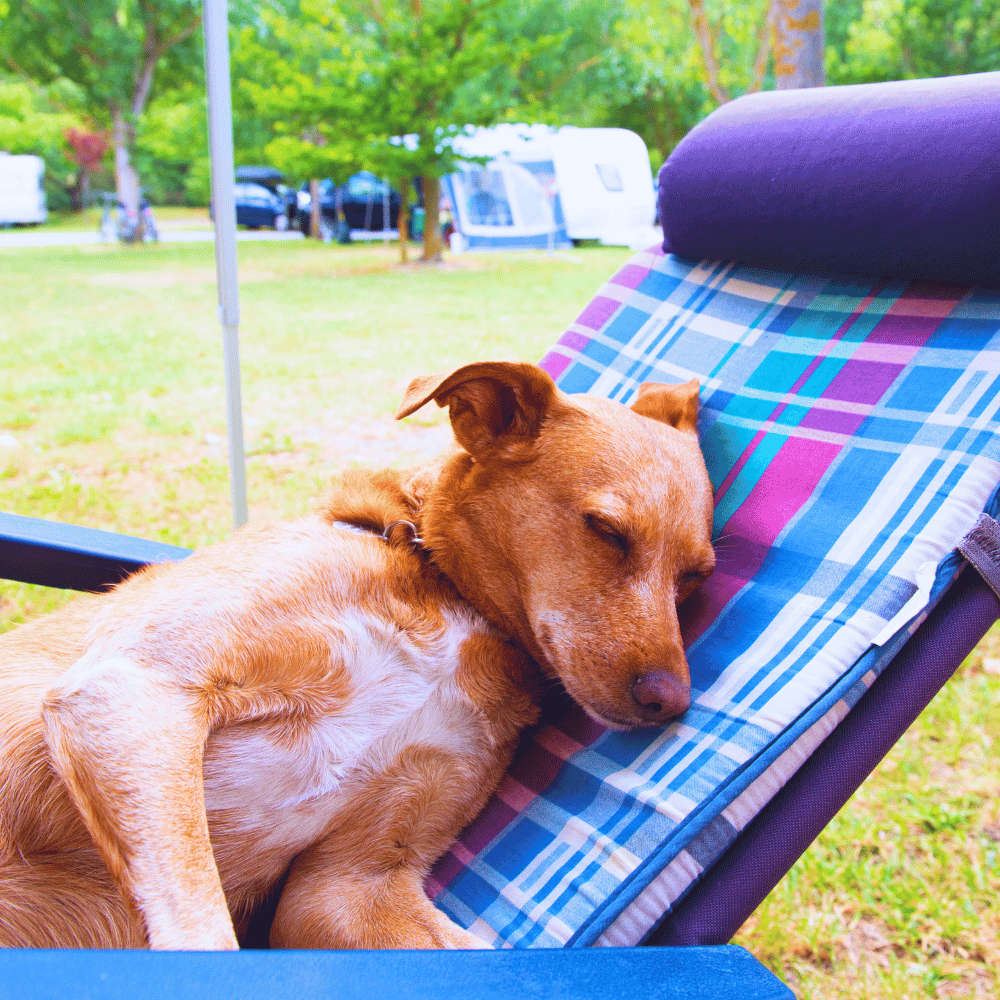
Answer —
850 427
851 433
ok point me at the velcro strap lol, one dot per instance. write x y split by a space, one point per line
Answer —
981 547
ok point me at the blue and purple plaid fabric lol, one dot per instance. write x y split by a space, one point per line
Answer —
851 433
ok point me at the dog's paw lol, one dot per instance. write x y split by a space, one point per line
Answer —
458 939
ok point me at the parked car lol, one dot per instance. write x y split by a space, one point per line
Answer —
257 207
361 200
274 181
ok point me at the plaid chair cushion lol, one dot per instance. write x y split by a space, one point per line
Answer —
850 430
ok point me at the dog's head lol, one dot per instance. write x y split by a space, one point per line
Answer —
577 525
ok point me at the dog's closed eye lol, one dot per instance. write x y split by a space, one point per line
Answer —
690 580
608 532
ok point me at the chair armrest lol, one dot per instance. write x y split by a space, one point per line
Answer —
718 973
65 555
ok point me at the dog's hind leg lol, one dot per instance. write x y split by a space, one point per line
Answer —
70 905
128 742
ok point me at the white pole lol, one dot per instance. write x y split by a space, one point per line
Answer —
220 134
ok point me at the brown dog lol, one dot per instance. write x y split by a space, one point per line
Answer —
316 700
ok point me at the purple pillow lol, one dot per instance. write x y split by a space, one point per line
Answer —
895 179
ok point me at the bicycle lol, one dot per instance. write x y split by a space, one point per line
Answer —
117 224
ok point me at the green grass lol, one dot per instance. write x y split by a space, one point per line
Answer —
112 392
112 384
897 898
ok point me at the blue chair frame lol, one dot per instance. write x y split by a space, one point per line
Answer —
71 557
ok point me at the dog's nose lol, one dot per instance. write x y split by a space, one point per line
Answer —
660 696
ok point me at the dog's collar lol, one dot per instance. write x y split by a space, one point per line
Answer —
415 540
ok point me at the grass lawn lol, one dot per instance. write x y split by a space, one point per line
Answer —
111 401
111 415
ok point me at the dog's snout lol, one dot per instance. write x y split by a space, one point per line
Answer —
660 696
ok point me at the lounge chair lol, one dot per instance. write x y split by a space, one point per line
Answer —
850 365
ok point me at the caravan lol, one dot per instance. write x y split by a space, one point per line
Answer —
22 198
580 183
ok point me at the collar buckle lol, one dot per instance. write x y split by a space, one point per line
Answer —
415 540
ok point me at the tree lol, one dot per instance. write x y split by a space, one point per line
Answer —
653 78
567 74
386 85
798 43
735 43
432 69
171 149
88 153
297 93
116 51
673 61
907 39
298 96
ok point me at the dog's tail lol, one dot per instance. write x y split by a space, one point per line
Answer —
74 905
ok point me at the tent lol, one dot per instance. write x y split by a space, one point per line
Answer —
505 205
597 180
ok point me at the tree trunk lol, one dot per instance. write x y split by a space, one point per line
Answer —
315 211
80 192
798 44
76 192
126 179
765 40
432 220
404 219
703 32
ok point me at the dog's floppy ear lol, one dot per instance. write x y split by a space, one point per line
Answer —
676 405
492 404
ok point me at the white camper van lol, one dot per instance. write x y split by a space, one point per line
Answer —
600 177
22 198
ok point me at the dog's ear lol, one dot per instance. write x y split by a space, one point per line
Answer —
676 405
493 405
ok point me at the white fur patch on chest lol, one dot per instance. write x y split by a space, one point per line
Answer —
277 786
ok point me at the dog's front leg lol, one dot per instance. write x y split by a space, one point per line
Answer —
128 741
361 886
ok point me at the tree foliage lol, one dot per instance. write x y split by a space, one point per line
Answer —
908 39
115 51
118 52
34 119
673 61
358 75
390 84
295 92
326 87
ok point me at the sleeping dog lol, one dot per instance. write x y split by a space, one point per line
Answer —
330 700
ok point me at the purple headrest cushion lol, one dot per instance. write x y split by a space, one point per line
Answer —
895 179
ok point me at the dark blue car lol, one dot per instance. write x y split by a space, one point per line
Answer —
362 204
257 207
